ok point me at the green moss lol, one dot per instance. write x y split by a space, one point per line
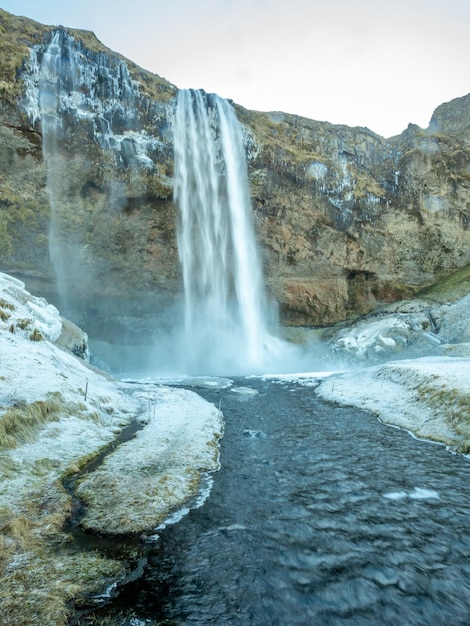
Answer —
450 287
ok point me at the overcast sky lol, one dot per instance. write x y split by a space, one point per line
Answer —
359 62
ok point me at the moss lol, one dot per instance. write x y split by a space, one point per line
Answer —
450 287
366 185
6 241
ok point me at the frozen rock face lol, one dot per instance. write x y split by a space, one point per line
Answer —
346 219
87 133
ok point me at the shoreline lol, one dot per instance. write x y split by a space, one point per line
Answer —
56 415
428 397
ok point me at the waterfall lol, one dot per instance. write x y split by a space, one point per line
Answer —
225 305
50 75
75 92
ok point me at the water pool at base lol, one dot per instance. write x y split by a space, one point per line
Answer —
318 515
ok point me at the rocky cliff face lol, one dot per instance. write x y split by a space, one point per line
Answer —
349 219
346 219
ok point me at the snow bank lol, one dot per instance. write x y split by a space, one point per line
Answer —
23 307
428 396
56 413
139 485
73 411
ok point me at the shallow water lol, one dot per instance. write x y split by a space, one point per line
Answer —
319 515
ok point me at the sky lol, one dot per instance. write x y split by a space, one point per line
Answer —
374 63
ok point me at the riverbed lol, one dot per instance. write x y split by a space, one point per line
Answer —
319 514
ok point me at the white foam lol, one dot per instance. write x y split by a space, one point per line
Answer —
418 493
424 494
395 495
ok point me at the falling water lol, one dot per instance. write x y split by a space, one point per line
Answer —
75 92
226 311
49 91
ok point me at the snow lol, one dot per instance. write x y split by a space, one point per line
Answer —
164 461
43 316
429 397
87 409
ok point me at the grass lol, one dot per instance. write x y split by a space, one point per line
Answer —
6 305
450 287
40 576
16 33
21 422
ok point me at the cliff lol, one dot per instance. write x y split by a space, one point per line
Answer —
347 220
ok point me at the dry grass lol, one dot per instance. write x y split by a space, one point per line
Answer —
37 589
114 506
39 576
6 309
21 422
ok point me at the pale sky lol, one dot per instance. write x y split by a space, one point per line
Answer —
359 62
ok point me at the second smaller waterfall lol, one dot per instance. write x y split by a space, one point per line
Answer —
226 312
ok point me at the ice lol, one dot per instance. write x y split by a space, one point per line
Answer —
47 319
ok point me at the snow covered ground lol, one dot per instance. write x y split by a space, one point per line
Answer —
428 395
56 413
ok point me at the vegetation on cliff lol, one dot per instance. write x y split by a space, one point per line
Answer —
346 220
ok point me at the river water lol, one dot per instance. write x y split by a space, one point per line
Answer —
319 515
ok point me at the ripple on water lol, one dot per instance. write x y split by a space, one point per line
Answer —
331 519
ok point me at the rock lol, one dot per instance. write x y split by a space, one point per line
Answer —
347 220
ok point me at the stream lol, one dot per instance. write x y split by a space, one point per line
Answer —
319 515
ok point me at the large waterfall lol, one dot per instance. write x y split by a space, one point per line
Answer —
226 312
